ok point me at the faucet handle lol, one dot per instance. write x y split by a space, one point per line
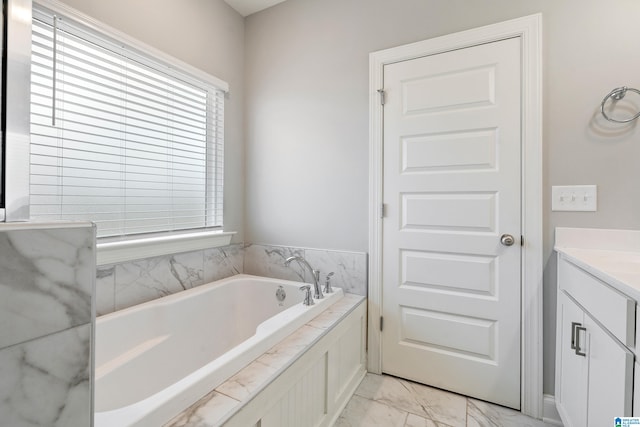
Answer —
327 287
308 300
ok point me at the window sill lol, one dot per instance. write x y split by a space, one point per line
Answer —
128 250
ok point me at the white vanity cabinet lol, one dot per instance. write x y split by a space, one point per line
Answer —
595 340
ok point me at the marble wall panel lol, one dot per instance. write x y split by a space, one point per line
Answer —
47 277
46 382
349 268
46 280
220 263
268 261
148 279
122 285
105 289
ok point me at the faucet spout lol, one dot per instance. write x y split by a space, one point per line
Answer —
317 290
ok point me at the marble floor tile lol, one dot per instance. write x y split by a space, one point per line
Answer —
426 407
417 421
427 402
362 412
483 414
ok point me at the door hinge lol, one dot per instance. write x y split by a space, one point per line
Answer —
381 92
521 240
382 210
381 322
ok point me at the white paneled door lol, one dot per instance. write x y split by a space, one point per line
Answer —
452 221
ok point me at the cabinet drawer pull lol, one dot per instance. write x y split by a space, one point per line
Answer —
578 329
573 334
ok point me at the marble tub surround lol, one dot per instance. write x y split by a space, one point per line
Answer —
223 262
47 277
349 268
268 261
386 401
221 404
46 382
123 285
148 279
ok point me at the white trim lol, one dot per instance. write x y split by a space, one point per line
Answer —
529 30
125 39
43 225
550 413
127 250
17 115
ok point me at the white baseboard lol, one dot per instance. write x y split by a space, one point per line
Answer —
550 413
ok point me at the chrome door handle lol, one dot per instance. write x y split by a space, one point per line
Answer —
507 239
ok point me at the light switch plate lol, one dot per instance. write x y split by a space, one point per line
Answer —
577 198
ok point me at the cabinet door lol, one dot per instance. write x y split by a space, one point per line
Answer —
571 369
610 377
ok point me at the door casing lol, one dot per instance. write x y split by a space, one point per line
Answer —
529 31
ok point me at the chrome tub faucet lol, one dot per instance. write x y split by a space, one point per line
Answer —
317 291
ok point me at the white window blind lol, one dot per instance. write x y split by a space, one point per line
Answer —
118 138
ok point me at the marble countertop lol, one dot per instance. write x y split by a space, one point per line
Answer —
221 404
612 256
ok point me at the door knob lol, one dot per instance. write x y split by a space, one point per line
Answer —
507 239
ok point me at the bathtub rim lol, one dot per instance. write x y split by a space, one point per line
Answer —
131 411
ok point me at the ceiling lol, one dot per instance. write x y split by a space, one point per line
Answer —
247 7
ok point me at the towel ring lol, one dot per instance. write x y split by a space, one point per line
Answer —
617 94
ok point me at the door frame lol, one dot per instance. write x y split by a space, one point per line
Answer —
529 30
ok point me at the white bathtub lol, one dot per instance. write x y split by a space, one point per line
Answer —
155 359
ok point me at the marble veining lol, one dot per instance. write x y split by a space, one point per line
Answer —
268 261
431 403
122 285
45 382
214 404
147 279
362 412
349 268
46 281
247 381
483 414
105 289
223 262
382 398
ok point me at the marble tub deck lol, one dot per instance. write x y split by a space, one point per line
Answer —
221 404
380 400
386 401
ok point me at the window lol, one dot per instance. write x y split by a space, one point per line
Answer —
118 137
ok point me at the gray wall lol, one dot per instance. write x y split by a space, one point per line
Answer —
207 34
302 88
306 113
